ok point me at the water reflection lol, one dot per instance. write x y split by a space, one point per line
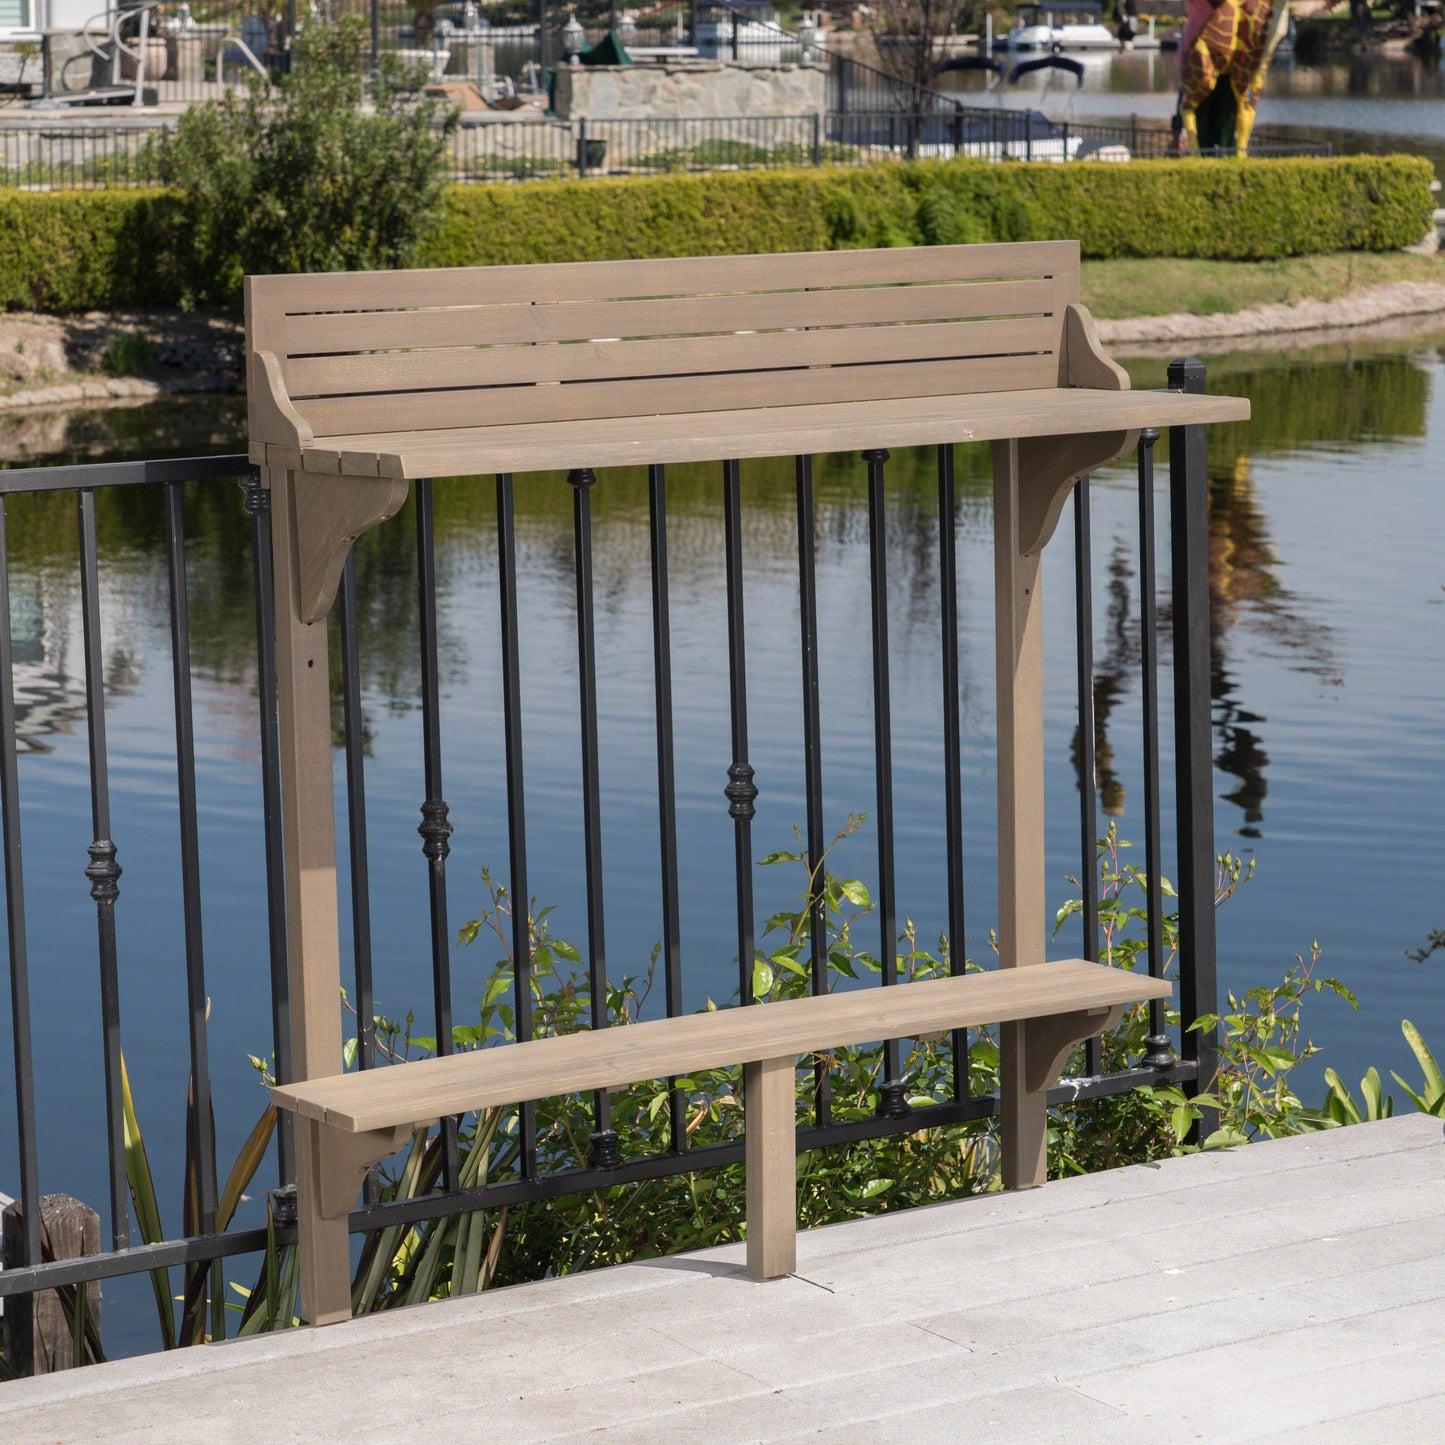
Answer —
1374 102
1301 532
1337 395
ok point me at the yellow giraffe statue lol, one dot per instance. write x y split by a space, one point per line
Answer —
1223 58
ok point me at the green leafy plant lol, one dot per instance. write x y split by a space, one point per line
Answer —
1261 1043
202 1298
307 178
1340 1106
130 353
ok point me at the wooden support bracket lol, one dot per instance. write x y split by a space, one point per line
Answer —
331 513
1049 466
343 1159
1048 1042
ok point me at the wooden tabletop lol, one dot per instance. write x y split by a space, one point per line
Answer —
759 432
610 1058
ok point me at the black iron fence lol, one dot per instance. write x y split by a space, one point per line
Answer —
65 157
1179 1056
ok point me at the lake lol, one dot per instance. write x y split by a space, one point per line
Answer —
1327 539
1378 102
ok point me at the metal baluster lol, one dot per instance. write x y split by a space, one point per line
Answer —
357 850
892 1100
603 1152
203 1140
813 770
103 871
1088 788
19 957
258 508
1158 1052
516 803
952 742
435 829
666 776
741 792
1193 754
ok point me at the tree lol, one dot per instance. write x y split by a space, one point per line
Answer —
907 33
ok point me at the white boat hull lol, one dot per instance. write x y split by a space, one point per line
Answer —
1045 38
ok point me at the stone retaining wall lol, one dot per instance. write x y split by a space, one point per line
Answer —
689 88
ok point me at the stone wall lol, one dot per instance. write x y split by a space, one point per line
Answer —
689 88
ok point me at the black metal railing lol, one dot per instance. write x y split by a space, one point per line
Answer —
605 1166
74 158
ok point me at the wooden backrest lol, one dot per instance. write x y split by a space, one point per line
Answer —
394 351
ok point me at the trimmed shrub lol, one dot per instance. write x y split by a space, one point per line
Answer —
74 251
1219 210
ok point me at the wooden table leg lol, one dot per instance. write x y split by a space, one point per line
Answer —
303 696
324 1244
769 1089
1018 624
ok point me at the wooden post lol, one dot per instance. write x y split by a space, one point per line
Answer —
303 694
36 1338
1018 626
771 1160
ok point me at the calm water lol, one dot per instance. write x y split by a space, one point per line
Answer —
1374 103
1328 534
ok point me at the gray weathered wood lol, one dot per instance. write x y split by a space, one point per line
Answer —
34 1335
609 1058
360 383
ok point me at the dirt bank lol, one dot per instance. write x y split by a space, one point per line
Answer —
115 357
1360 308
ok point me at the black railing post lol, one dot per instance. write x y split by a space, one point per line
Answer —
22 1046
741 791
952 742
817 138
582 146
1086 760
813 769
1159 1054
1193 754
521 930
666 777
203 1140
435 827
103 871
603 1152
258 508
892 1094
358 850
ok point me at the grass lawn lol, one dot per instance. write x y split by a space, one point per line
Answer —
1128 287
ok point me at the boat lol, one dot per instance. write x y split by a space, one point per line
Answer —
744 30
1060 25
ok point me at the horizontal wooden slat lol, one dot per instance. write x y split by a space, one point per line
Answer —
606 1058
757 432
543 318
584 401
616 280
698 357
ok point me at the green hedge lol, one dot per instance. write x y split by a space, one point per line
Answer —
74 251
1222 210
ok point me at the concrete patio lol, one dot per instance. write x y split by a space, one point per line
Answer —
1290 1291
